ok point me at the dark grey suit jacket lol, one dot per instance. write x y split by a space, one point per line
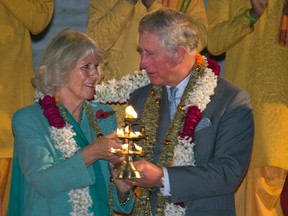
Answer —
222 152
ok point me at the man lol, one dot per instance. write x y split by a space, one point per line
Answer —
198 155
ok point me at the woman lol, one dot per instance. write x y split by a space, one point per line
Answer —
58 140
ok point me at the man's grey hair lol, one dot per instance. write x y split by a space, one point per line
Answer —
173 28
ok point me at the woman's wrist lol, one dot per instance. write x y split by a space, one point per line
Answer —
123 198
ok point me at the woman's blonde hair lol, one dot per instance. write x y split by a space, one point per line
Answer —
60 58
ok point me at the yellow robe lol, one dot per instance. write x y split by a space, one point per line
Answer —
18 18
113 24
257 62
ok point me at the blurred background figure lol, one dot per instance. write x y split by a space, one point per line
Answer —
18 18
113 24
253 33
284 198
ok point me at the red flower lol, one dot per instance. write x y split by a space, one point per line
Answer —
51 112
100 114
191 120
181 204
214 66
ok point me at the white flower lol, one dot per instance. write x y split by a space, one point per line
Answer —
64 138
174 210
81 202
203 90
119 91
183 152
37 95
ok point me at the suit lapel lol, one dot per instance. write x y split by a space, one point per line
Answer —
164 123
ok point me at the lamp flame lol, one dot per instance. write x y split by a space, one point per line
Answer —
130 112
125 133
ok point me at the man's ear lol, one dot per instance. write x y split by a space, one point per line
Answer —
180 53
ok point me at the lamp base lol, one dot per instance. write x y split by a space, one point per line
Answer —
128 170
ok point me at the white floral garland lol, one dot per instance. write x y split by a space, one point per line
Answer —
183 151
203 90
64 140
119 91
80 198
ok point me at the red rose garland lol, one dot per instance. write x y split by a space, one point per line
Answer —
192 118
51 112
214 66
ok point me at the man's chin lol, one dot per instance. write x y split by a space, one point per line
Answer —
156 82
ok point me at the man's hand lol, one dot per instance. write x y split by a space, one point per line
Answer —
151 175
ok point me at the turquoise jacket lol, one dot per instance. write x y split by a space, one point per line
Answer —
41 186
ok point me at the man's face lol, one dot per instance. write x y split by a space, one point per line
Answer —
160 66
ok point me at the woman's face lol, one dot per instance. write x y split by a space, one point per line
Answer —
82 79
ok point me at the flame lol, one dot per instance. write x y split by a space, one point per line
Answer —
135 134
126 146
120 132
125 132
137 147
130 112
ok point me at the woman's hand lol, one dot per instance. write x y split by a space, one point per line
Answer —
101 149
123 185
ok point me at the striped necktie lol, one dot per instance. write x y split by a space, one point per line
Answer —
172 102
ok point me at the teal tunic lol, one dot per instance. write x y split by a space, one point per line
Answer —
42 185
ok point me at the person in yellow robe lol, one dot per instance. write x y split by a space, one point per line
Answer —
113 24
253 34
18 18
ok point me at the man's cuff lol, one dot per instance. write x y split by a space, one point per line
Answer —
165 190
